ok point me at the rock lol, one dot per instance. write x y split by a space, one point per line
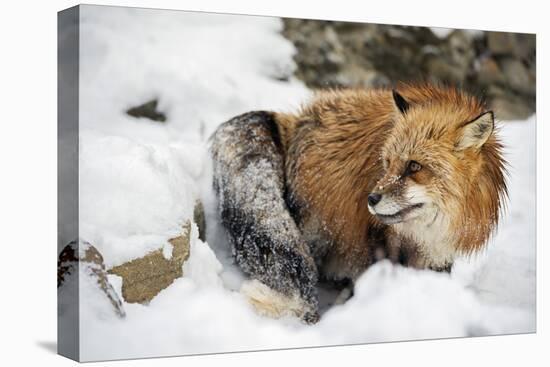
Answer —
147 110
320 53
526 45
144 278
200 220
441 69
67 263
91 265
517 76
359 77
460 53
501 43
509 108
353 54
489 71
521 46
345 54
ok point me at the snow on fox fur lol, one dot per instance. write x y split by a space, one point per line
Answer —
415 175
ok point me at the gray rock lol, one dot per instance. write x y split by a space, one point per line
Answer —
489 72
460 53
517 76
518 45
501 43
507 108
500 66
147 110
526 45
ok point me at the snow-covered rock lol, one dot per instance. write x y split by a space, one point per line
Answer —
143 278
83 263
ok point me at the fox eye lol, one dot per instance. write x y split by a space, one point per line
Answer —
413 167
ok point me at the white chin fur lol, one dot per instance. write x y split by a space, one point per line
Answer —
270 303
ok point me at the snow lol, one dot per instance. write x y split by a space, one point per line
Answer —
508 275
139 180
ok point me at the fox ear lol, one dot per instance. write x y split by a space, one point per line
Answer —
476 132
400 102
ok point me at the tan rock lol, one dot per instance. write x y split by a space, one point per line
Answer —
144 278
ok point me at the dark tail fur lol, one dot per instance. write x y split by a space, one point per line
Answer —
249 183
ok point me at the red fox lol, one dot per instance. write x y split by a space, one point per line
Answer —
415 175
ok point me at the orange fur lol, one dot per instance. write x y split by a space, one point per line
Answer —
345 144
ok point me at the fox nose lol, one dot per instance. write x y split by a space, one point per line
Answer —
374 199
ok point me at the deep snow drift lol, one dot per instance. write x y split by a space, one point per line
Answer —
139 180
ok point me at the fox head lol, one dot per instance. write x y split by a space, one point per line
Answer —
440 160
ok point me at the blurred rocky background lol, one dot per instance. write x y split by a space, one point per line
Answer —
498 66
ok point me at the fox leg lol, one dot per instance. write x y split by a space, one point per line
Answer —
266 243
344 294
